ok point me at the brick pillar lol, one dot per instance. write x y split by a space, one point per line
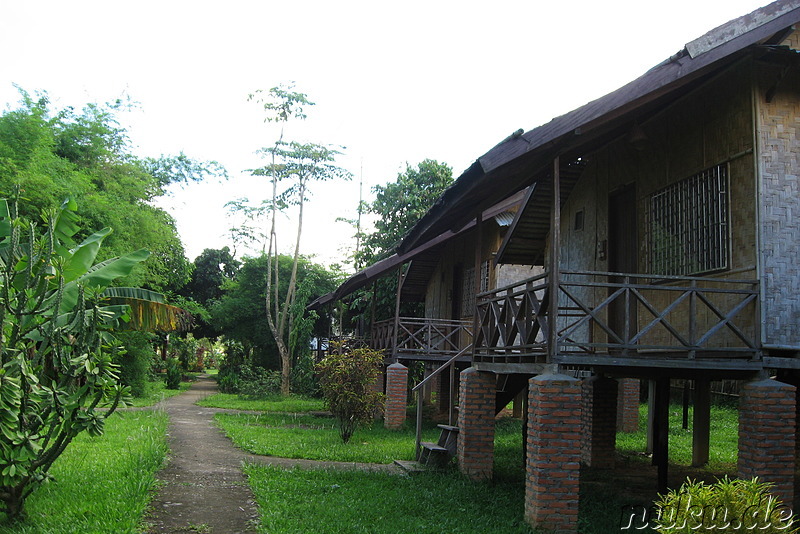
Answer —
599 420
554 452
476 423
628 405
767 435
396 395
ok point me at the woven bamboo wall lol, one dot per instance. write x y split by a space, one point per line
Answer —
711 126
779 148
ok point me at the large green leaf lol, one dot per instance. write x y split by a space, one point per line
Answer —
133 293
101 276
66 223
83 255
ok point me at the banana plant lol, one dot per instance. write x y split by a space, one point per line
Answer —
57 377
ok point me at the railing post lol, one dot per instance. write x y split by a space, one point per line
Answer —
692 318
626 323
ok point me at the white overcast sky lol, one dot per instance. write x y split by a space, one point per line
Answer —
394 82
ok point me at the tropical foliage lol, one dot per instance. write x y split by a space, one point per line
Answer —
57 377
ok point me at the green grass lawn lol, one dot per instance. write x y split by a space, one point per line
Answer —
724 440
290 404
321 501
317 438
102 485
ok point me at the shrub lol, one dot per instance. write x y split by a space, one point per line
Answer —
347 378
174 374
725 506
135 360
258 383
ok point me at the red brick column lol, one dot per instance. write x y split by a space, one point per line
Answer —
396 395
476 423
554 452
599 419
767 420
628 405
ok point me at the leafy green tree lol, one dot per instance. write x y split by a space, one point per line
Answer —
57 377
212 269
239 313
398 205
86 154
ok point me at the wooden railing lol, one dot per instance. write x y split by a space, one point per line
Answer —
423 337
620 314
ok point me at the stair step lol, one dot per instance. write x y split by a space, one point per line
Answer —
448 428
432 447
410 467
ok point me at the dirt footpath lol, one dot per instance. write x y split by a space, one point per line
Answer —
202 487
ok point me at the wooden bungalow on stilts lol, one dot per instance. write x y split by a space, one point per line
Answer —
663 219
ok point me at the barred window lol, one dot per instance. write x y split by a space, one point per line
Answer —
688 225
468 288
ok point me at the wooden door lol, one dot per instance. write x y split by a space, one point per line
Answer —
622 253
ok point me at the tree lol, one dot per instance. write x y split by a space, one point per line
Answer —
239 313
299 164
86 154
57 377
398 205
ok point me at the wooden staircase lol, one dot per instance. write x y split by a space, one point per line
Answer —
440 453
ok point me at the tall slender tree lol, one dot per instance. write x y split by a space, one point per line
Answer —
295 165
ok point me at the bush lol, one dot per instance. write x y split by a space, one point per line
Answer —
174 374
258 383
725 506
347 378
135 361
304 379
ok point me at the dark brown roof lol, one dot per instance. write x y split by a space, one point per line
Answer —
524 158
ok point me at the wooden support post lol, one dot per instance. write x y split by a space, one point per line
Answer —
651 412
701 422
686 391
478 261
555 259
396 329
661 432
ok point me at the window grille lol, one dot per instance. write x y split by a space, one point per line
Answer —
468 293
688 225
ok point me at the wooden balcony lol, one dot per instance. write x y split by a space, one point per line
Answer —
422 339
622 319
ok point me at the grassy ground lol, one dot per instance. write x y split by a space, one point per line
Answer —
437 502
102 485
724 440
291 404
321 501
317 438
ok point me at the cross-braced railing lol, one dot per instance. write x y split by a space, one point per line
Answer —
422 337
620 314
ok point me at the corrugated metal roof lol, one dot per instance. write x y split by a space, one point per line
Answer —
521 160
